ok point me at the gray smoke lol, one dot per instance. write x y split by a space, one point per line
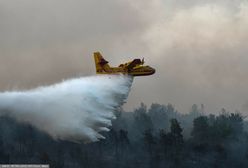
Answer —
74 110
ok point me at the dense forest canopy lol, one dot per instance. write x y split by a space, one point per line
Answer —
158 136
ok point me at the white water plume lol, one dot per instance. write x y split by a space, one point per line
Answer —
74 110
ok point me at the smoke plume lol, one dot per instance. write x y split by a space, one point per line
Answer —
74 110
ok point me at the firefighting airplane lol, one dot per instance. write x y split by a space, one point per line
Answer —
133 68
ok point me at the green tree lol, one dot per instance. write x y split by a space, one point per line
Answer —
236 123
195 111
149 141
163 142
175 141
158 116
142 120
200 131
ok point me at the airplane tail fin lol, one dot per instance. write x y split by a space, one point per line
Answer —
101 64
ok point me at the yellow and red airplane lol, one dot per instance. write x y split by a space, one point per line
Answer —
133 68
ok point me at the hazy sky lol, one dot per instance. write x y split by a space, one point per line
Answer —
199 48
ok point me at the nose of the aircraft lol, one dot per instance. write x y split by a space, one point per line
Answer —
153 70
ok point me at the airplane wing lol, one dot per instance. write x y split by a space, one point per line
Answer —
133 63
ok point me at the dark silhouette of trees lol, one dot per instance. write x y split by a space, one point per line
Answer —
175 141
142 120
123 136
151 138
200 132
44 158
163 141
158 116
149 141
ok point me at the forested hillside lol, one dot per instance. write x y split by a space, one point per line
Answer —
154 137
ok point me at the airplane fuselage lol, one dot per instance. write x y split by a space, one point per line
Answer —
133 68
